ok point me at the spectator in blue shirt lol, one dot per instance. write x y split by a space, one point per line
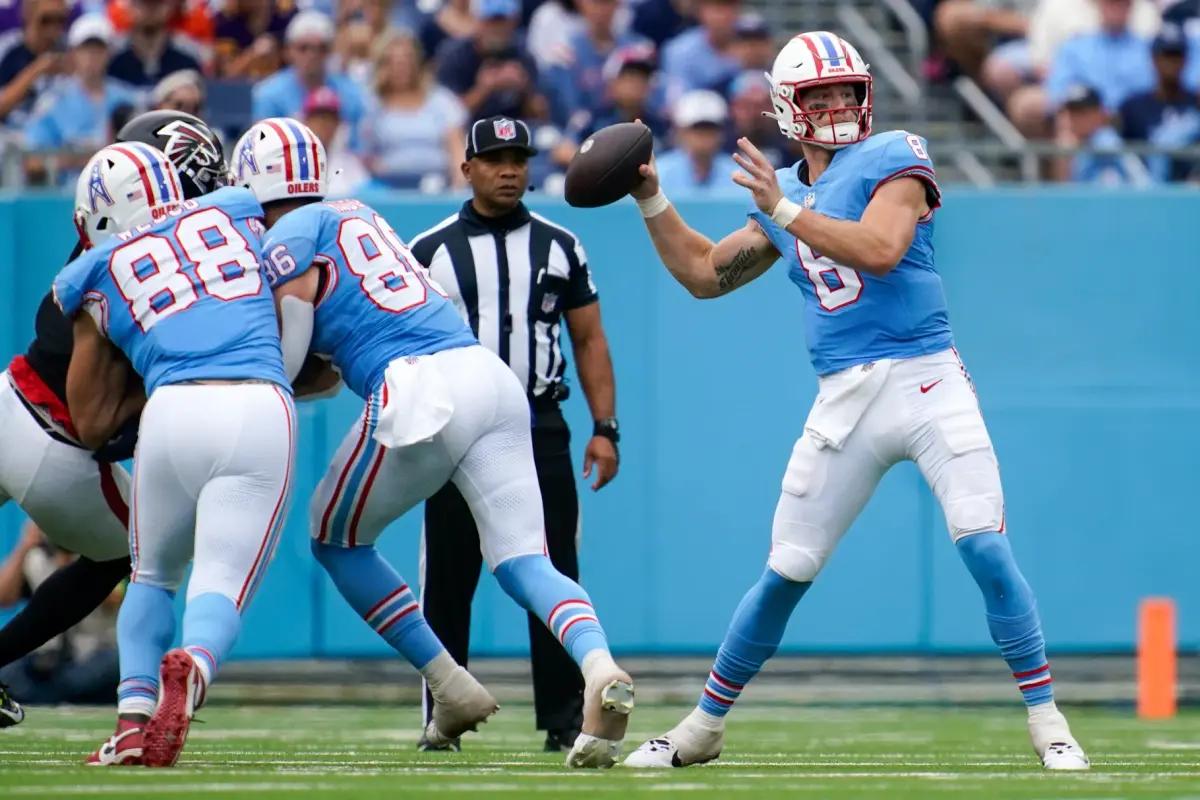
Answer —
491 72
1185 15
1113 59
150 54
660 20
309 37
74 113
74 110
577 81
1169 115
702 57
1085 123
697 165
31 59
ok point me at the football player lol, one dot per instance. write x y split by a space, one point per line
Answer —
77 496
854 221
439 407
175 285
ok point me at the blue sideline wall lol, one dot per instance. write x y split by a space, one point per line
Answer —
1076 312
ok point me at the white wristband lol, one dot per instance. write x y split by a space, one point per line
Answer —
653 206
785 212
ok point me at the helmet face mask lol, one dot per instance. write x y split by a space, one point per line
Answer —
820 59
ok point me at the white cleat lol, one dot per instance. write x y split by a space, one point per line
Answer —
1053 742
459 705
682 746
608 701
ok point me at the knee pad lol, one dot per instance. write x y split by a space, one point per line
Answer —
797 560
973 500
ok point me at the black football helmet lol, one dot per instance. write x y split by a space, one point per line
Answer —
188 142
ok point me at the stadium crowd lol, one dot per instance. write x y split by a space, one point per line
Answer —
390 85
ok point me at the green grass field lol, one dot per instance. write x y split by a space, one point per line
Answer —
837 752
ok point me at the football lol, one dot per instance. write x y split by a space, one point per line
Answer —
606 167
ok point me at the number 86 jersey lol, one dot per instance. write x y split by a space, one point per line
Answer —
851 317
183 297
374 304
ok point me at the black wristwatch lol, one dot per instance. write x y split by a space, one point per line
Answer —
607 428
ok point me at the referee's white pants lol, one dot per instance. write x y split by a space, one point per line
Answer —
79 503
212 478
920 409
485 448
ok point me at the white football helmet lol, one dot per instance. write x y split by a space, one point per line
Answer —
280 158
819 58
123 186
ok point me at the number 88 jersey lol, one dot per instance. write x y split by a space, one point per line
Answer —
183 297
852 317
375 303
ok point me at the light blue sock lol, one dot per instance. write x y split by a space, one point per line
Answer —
556 600
753 637
211 624
1012 616
381 597
145 628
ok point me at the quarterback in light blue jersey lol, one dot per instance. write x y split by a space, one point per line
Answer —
174 283
439 407
853 220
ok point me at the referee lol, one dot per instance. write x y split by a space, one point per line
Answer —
514 276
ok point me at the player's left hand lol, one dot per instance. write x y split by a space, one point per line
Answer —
601 453
759 176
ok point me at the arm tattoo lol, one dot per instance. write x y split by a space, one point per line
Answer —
729 275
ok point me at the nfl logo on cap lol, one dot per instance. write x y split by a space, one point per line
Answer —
505 129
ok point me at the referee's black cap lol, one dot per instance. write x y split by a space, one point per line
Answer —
499 133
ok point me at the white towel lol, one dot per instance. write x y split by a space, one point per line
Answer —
418 402
842 400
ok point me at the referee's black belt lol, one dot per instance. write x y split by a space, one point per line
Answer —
550 398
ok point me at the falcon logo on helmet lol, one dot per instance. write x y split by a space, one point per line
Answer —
281 158
192 152
138 183
820 58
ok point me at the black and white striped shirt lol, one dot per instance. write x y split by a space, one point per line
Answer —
511 278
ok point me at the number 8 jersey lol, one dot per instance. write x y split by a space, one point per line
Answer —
183 297
852 317
374 304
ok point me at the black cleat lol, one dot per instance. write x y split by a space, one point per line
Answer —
560 741
11 712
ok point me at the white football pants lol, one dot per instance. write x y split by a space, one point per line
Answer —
79 503
485 447
212 477
924 410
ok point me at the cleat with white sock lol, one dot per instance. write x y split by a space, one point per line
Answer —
686 744
1052 739
460 704
608 702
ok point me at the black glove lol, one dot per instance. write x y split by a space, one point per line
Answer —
120 446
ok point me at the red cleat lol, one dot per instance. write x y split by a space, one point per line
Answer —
123 749
165 733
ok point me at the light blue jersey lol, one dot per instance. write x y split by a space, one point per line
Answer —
183 297
851 317
375 304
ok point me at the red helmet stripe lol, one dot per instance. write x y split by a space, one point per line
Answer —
846 52
142 173
287 148
316 162
812 48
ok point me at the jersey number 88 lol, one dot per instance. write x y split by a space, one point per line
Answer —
152 278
